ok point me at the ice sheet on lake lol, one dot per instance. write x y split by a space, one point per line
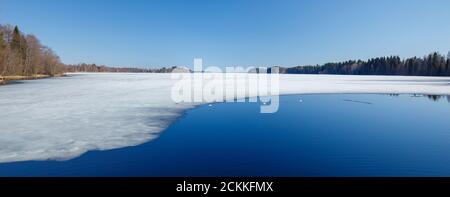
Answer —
61 118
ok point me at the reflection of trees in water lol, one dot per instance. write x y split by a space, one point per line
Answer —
434 97
394 95
429 96
438 97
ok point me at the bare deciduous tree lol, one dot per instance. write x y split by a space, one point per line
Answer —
32 59
24 55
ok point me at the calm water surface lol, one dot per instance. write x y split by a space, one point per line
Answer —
310 135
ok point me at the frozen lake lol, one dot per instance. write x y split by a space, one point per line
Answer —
62 118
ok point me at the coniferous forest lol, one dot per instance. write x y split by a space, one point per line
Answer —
433 64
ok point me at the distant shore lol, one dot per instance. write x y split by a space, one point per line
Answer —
5 79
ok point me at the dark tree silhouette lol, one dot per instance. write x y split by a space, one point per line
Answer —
433 64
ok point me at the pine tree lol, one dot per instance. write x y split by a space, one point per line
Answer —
19 50
448 65
16 39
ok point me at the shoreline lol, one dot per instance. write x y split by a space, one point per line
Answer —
4 80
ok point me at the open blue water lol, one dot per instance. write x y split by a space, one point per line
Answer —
310 135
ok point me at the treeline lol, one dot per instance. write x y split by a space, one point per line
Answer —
433 64
23 55
83 67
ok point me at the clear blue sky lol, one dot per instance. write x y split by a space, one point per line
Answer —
232 32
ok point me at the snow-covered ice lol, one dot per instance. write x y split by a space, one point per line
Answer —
61 118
